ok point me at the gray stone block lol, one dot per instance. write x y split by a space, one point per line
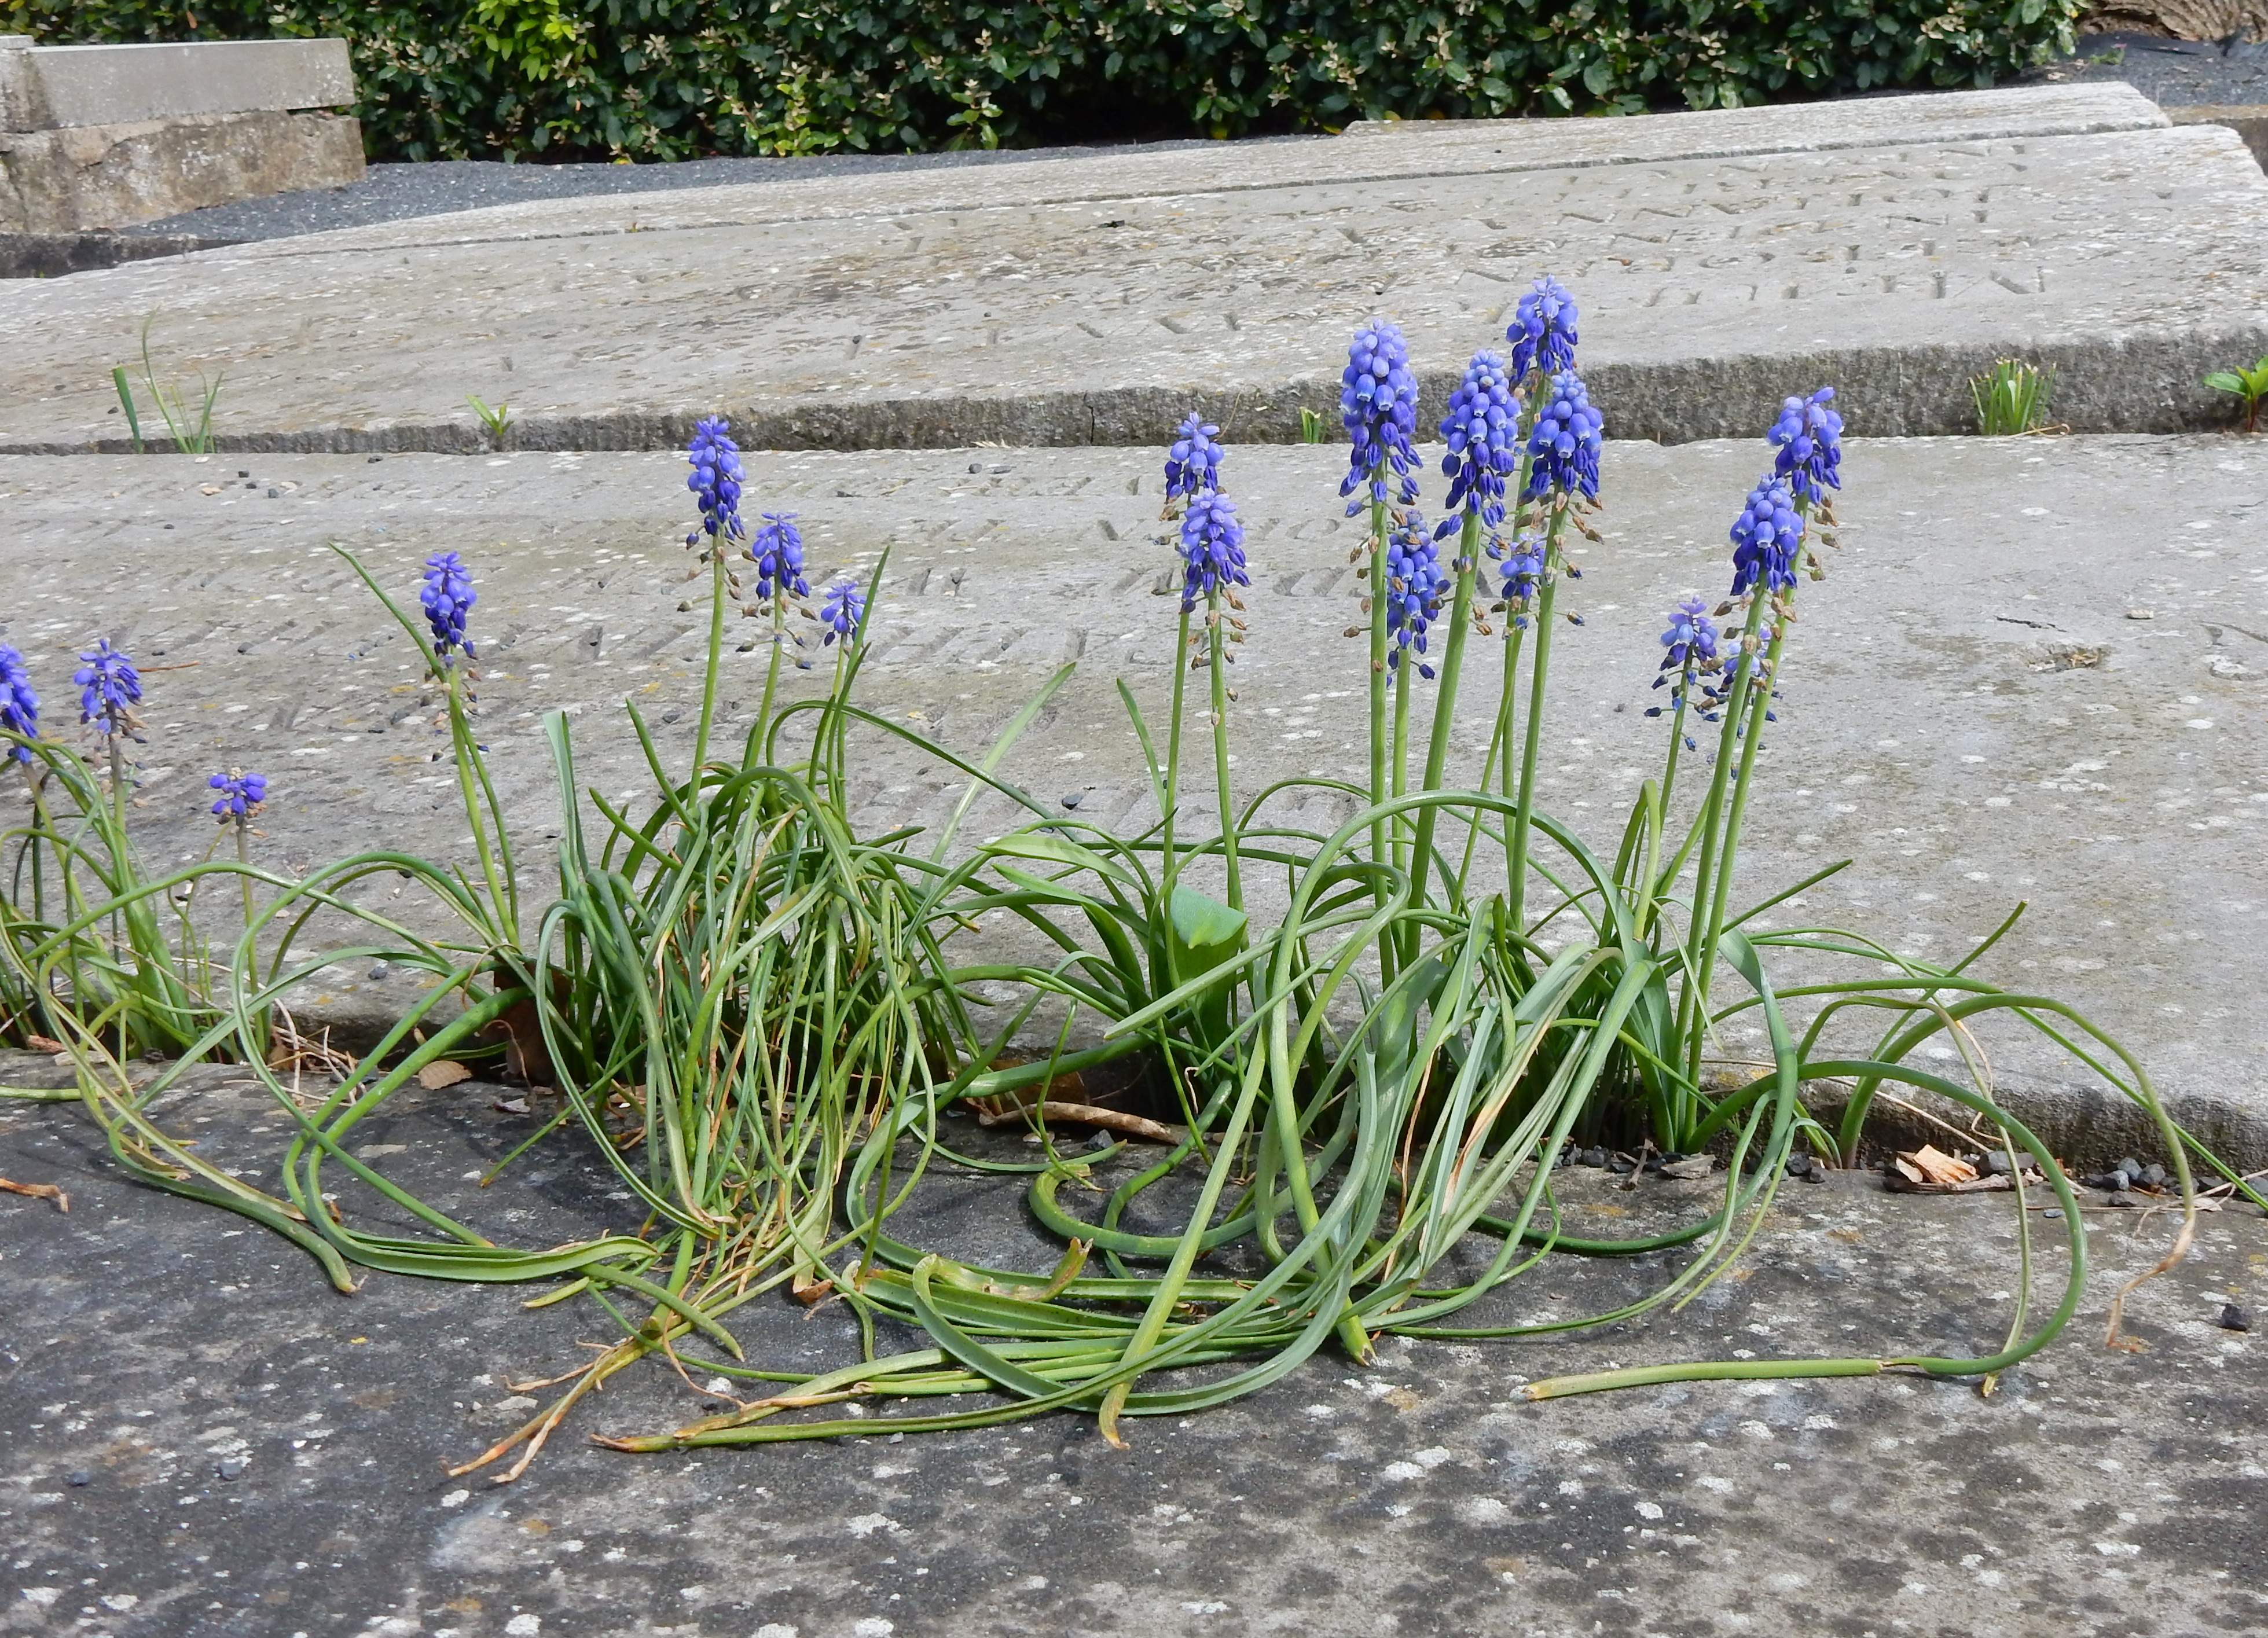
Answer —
1970 712
103 176
53 255
1093 300
2249 121
48 87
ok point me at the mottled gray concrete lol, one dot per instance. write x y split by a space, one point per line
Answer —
146 1341
1897 246
1927 732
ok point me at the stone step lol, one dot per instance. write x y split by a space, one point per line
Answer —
1897 245
1974 710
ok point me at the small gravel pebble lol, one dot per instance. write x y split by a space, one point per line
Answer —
2235 1319
231 1466
80 1477
1071 800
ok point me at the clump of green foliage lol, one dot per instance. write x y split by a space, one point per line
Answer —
668 79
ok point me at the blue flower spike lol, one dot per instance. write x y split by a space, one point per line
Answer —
19 707
448 595
1766 539
1564 446
1193 463
1542 331
777 551
844 613
241 794
715 479
1213 550
1690 649
1809 439
1521 565
1378 406
1482 432
109 689
1415 582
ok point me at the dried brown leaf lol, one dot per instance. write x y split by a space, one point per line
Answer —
442 1072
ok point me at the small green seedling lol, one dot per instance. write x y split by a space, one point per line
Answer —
2012 398
497 419
1311 426
2250 385
192 435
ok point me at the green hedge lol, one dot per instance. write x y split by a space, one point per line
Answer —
673 79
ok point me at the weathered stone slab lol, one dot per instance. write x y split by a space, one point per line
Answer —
1092 300
149 1340
103 136
1973 712
2248 120
67 182
43 87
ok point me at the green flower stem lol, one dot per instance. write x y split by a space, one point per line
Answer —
1174 752
761 734
1702 958
1398 771
461 733
1523 813
1445 702
243 828
1379 783
1216 630
715 656
117 782
1499 740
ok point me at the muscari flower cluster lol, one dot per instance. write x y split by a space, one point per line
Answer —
448 595
777 553
1212 548
1809 438
1543 330
19 707
1414 584
1563 448
1766 537
1482 432
844 613
1193 463
1689 650
715 479
1522 564
1378 406
241 794
109 689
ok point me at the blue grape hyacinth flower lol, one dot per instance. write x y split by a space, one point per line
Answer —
1688 646
1193 463
241 794
109 689
777 551
1482 433
1378 406
19 707
715 479
1565 444
844 613
1521 561
1413 585
448 595
1543 330
1212 548
1809 438
1765 538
